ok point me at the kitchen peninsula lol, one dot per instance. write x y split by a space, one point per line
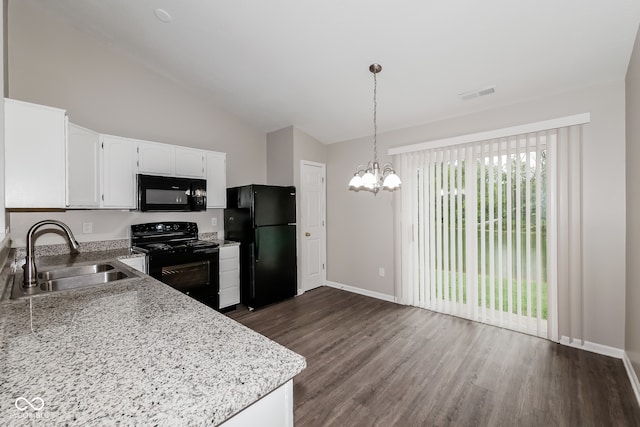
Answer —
135 352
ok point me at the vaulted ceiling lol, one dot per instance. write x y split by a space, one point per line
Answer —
299 62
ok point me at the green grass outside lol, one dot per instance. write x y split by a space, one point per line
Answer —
453 280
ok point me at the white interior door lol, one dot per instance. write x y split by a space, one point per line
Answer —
312 224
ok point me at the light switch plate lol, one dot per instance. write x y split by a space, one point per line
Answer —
214 221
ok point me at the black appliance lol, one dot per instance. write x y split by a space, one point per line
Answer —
166 193
176 257
263 219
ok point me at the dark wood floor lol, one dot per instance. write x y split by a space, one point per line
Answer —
374 363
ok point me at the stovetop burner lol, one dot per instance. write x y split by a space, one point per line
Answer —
168 237
159 246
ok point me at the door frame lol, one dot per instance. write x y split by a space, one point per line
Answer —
323 216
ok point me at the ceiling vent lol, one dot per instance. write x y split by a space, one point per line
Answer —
477 93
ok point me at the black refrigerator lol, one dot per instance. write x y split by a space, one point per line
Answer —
263 219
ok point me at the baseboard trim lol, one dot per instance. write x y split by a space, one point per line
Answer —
365 292
605 350
635 383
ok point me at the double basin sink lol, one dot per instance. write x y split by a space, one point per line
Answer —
54 279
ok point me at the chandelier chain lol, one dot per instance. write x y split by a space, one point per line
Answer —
375 121
373 177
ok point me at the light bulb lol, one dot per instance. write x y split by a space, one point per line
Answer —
368 181
391 182
356 183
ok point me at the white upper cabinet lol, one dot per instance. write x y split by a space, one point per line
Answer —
190 162
155 158
35 141
51 163
216 180
83 167
118 172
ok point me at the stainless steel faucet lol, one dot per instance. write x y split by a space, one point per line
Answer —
30 272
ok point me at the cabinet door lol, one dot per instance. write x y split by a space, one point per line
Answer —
155 158
83 168
137 263
216 180
118 172
35 141
190 162
229 276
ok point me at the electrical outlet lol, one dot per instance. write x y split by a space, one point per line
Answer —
381 272
87 227
214 221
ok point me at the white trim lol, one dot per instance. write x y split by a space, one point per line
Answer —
577 119
633 378
365 292
605 350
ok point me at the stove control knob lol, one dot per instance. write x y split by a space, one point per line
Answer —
176 226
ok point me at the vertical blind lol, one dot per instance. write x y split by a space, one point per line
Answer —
479 229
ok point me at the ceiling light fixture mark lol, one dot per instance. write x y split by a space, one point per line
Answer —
163 15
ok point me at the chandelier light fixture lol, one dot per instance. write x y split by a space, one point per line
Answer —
373 177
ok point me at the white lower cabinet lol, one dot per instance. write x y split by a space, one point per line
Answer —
273 410
137 263
229 276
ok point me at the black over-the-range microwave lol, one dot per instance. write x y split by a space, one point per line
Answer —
165 193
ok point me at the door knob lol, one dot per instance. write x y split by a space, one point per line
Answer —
307 234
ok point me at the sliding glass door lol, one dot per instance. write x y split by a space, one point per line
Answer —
479 215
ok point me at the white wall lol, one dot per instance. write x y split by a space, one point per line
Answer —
361 226
632 332
51 63
3 218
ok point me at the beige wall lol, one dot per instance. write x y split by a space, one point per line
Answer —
632 331
280 157
51 63
360 229
306 147
359 225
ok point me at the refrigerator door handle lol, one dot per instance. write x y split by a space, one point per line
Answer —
256 248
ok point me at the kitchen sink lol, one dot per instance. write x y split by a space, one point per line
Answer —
55 279
82 281
73 272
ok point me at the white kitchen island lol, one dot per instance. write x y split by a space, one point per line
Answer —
137 353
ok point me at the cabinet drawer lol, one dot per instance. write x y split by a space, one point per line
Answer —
229 279
227 252
229 264
229 297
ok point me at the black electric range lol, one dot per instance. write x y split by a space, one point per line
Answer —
176 257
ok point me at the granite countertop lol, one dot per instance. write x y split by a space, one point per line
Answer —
134 352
